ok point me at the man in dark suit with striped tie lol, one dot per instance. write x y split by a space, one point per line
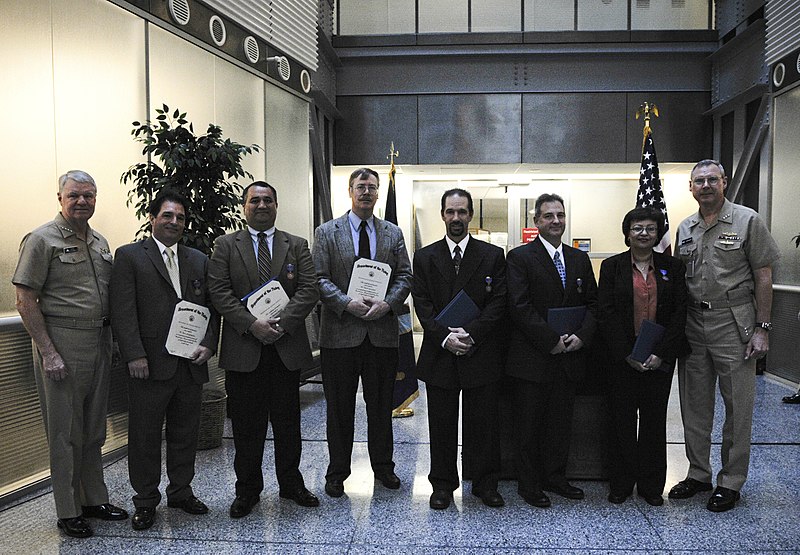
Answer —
262 356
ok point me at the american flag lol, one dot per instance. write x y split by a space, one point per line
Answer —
650 193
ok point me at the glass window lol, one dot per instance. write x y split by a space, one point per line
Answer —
668 15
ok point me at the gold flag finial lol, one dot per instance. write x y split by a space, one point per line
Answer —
392 153
645 110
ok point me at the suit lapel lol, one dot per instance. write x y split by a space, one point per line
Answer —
344 244
661 267
280 246
443 261
381 245
183 267
543 257
155 256
244 244
469 264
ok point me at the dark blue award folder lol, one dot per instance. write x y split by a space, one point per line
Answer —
459 312
566 320
650 335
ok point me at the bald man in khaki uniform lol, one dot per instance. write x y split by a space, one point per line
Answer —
61 284
729 255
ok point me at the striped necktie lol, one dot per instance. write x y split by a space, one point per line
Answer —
264 259
562 272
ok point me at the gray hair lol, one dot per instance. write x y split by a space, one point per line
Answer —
78 176
709 162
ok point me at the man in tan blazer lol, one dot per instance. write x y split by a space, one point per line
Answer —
262 356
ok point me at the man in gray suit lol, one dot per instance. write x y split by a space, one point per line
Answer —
359 336
262 356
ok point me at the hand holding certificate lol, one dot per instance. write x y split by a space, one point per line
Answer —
267 301
188 328
369 280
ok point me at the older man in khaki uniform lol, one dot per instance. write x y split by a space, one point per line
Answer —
61 284
729 255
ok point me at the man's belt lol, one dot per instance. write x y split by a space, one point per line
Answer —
719 303
77 323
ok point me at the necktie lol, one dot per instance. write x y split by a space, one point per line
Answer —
172 270
264 259
457 258
363 241
560 267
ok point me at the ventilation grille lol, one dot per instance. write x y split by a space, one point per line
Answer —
284 69
217 28
305 80
289 25
251 50
179 11
783 28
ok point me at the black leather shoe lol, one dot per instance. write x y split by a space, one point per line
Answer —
564 490
792 399
724 499
617 498
334 488
106 511
537 499
242 505
76 527
389 480
653 500
440 499
490 497
143 518
191 505
301 496
687 488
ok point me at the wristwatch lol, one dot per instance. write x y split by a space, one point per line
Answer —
767 326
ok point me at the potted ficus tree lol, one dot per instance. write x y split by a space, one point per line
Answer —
203 168
200 167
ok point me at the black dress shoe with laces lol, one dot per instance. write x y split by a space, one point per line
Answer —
440 499
617 498
143 518
389 480
106 511
724 499
536 498
191 505
688 488
242 505
490 497
565 490
301 496
652 500
75 527
792 399
334 488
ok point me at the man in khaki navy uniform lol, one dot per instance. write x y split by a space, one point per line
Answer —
729 255
62 296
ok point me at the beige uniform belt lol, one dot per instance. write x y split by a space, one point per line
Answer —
719 303
77 323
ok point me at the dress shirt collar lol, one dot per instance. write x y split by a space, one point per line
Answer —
161 246
355 222
452 244
254 233
551 250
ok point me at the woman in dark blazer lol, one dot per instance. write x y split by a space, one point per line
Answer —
641 284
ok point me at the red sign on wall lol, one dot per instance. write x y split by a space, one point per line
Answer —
529 234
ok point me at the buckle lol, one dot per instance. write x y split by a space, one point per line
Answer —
705 305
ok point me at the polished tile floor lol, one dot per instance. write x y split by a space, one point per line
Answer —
371 519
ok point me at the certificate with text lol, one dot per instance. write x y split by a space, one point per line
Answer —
370 278
188 328
267 301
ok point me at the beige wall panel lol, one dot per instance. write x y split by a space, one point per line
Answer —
288 160
28 168
239 108
376 17
785 189
99 76
182 77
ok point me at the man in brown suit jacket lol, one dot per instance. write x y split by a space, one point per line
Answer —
262 356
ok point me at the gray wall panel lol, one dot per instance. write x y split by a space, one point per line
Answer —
682 133
469 129
575 128
368 126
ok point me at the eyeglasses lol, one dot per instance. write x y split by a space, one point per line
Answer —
361 189
649 229
700 181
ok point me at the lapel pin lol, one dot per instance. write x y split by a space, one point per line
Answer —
664 275
579 283
488 280
290 271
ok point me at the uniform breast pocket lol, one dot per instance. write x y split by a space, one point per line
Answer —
687 253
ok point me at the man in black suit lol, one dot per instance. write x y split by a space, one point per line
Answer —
542 275
262 356
466 357
148 279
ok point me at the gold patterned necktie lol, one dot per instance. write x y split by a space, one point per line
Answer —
172 269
